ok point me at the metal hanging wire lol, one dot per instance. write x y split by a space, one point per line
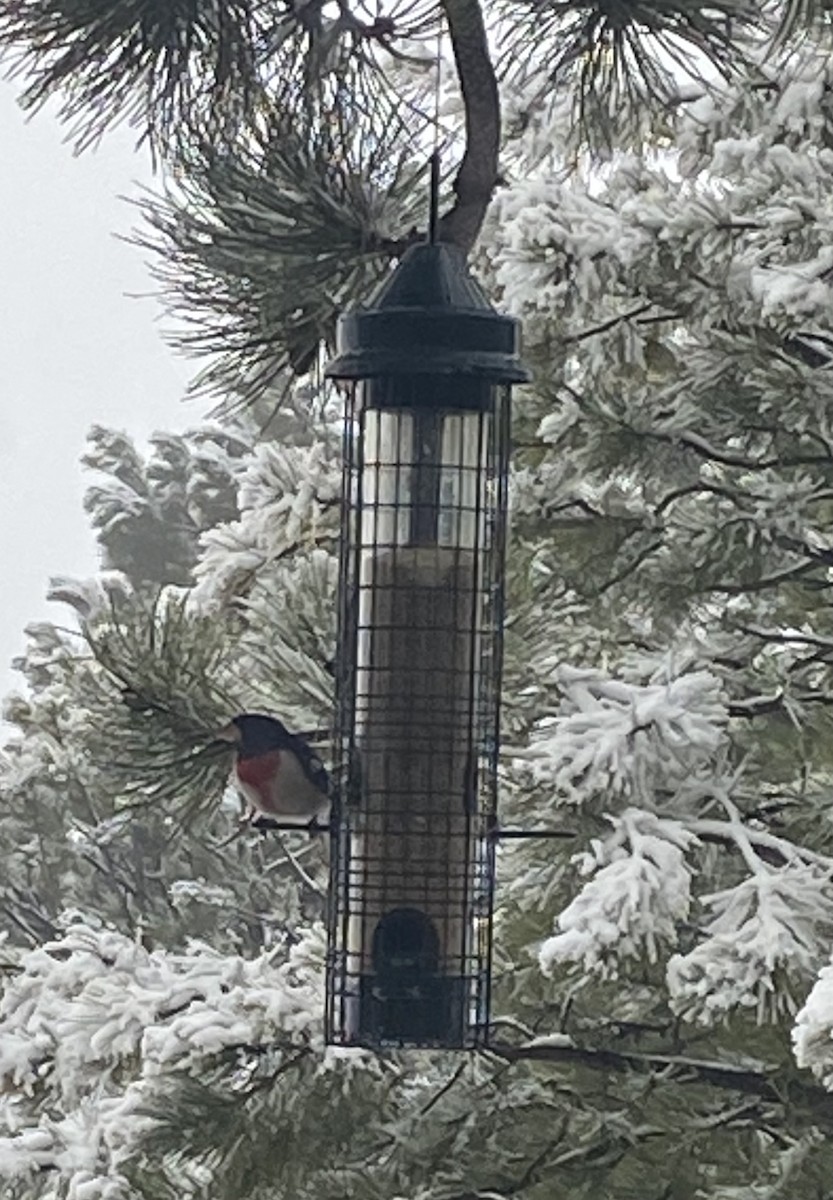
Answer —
433 212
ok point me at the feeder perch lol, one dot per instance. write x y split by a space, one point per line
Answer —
426 370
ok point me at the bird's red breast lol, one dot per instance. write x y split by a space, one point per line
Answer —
259 773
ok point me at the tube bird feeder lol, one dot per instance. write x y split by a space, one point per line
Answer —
426 369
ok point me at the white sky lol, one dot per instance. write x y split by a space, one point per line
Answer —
74 350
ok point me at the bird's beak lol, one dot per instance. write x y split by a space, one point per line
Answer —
229 734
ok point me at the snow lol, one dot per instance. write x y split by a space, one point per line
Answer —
286 495
639 891
759 949
812 1034
616 738
92 999
665 304
799 288
558 1041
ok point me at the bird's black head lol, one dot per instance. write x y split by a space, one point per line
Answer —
254 733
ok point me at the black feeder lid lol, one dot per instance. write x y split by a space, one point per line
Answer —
429 317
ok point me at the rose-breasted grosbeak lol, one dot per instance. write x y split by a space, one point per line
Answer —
278 773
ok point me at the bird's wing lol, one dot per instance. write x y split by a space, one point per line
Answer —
314 768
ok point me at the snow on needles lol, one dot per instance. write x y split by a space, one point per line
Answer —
759 949
659 748
286 493
812 1034
84 1003
614 738
640 890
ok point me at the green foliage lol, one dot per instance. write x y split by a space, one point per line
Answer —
668 651
260 246
623 61
158 702
163 57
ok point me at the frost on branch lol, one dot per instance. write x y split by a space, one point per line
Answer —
556 248
91 598
148 511
765 940
92 997
92 1002
628 740
639 891
287 496
813 1032
295 600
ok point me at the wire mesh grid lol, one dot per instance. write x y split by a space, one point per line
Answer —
420 639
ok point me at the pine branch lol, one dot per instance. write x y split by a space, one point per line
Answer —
623 62
298 870
704 449
446 1087
261 246
791 637
158 703
153 62
171 67
770 1084
772 849
767 583
613 322
795 17
758 706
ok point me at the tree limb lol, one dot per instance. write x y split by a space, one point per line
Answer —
704 449
770 1084
606 326
775 850
478 174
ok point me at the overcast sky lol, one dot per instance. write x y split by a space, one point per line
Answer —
74 350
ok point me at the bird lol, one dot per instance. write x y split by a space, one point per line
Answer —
276 771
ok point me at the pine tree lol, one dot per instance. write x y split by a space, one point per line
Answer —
148 515
666 692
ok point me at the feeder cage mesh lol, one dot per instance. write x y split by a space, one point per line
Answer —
421 587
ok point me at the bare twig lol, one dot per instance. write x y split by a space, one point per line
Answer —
303 875
606 326
446 1087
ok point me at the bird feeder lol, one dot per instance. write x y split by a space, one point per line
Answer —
426 370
